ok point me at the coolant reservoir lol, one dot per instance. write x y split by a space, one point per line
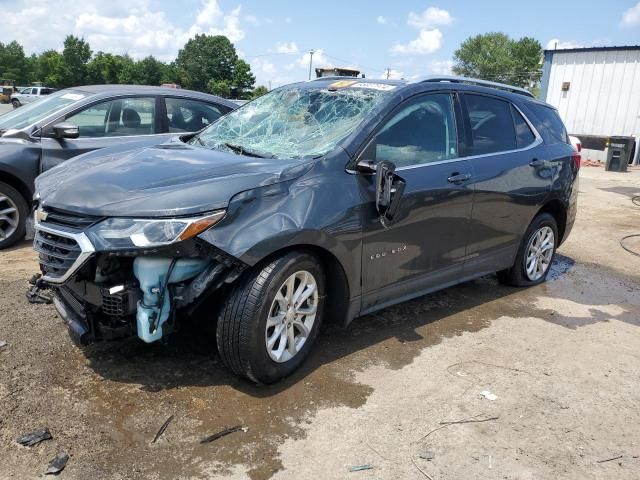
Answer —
151 273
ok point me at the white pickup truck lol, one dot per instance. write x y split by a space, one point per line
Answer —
28 95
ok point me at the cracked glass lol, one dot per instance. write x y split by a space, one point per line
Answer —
292 122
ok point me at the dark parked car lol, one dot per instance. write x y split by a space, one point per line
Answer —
319 201
70 122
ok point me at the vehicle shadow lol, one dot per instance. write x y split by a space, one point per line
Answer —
390 337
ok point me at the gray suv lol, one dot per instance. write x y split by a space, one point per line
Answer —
64 124
319 201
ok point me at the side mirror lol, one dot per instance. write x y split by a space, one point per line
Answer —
66 130
389 190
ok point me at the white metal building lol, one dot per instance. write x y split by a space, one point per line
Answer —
596 92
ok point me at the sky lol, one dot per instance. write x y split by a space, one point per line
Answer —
408 37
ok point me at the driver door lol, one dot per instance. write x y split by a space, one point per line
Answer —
424 246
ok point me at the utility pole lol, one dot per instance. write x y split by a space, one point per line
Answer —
388 73
311 52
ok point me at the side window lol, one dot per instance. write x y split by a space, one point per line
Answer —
524 135
184 115
34 91
551 127
423 131
117 118
492 127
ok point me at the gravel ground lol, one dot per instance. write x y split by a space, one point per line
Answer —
5 107
562 360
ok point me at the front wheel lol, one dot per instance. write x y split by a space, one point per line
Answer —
535 255
15 103
271 319
13 215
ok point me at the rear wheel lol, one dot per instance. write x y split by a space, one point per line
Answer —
271 319
13 215
535 254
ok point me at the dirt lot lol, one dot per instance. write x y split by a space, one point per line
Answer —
563 360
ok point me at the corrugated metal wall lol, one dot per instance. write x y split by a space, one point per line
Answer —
604 96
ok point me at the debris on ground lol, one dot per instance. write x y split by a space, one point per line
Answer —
359 468
426 455
224 433
35 437
488 395
57 464
2 344
474 419
162 429
35 293
609 459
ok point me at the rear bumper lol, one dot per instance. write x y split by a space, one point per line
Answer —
77 326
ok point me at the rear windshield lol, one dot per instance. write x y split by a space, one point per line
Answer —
292 122
34 112
551 127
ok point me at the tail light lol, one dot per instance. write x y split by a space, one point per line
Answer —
577 158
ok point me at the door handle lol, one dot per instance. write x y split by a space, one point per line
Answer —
458 178
537 163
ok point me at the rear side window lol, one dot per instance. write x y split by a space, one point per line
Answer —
186 115
551 127
492 128
524 135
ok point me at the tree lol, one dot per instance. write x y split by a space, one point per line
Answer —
104 68
259 91
14 65
243 79
50 69
205 59
496 57
76 54
222 88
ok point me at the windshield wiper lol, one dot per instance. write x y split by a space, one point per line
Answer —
240 150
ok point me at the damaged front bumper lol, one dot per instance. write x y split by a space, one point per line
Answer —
106 295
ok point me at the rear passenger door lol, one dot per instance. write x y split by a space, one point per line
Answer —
186 115
103 124
511 180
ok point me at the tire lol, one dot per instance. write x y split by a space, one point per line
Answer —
15 103
242 334
517 275
13 215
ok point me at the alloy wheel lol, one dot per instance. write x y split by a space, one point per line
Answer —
291 316
539 253
9 217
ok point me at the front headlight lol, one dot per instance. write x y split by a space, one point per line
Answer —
124 233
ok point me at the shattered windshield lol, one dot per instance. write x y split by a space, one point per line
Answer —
292 122
36 111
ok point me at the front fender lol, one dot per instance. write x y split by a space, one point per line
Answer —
310 211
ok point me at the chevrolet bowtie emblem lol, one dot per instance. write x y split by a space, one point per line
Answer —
41 215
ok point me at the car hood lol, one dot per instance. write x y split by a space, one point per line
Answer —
164 180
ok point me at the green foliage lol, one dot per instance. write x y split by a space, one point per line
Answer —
221 88
243 79
14 65
259 91
496 57
76 54
207 58
206 63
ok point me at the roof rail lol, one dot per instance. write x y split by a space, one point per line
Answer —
334 77
475 81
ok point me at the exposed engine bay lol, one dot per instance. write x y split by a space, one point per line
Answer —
116 294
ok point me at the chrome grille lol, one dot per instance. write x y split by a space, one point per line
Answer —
56 253
72 221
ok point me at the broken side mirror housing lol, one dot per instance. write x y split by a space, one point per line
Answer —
66 130
389 190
